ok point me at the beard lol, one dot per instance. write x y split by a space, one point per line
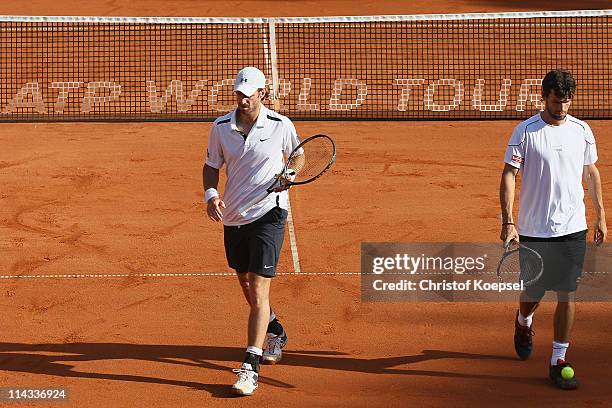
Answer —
557 115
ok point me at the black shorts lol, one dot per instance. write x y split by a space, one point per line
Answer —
256 247
563 262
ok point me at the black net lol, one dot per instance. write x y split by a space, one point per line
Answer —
451 67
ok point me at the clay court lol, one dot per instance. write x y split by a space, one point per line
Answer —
126 199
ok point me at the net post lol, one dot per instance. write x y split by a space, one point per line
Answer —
274 64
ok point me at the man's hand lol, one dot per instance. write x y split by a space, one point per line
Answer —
214 207
284 180
508 233
601 231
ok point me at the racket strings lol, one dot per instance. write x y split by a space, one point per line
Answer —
521 263
531 266
317 154
510 265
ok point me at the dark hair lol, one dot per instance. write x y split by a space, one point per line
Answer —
560 81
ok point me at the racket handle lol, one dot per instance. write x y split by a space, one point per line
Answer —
242 211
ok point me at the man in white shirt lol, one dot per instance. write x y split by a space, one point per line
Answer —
554 152
252 142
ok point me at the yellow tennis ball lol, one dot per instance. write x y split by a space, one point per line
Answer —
567 373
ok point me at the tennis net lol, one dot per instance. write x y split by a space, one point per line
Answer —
469 66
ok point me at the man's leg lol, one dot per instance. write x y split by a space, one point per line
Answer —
572 250
523 342
562 325
273 325
257 291
243 278
564 320
527 307
259 317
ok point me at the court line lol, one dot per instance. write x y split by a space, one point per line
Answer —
223 274
292 239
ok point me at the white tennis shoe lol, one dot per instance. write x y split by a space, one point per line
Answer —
246 383
273 352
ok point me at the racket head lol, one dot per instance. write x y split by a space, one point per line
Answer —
311 158
522 261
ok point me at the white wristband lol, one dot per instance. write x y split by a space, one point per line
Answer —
210 193
290 174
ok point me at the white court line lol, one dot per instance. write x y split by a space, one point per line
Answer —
292 240
164 275
223 274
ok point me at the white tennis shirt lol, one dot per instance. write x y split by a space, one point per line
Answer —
251 163
551 159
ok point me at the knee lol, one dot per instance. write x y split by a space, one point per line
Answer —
565 299
259 300
245 285
259 297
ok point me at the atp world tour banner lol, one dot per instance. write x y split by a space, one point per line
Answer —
71 97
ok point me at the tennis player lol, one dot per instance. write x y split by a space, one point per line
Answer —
554 151
252 142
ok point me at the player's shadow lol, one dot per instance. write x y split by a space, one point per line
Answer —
60 359
389 365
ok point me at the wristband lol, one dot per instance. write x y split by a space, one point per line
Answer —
507 223
210 193
290 174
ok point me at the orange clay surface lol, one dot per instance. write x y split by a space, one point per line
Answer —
127 199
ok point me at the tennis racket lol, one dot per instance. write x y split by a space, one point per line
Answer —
306 163
521 261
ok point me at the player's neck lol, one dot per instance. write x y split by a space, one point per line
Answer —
546 117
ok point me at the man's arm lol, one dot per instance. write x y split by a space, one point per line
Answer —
506 199
593 182
210 179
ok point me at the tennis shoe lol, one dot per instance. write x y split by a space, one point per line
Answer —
554 373
246 383
274 348
523 342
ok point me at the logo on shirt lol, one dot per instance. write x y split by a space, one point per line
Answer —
517 159
263 140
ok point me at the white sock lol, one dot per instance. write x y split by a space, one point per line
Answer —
525 321
254 350
558 352
272 315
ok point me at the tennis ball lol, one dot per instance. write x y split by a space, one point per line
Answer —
567 373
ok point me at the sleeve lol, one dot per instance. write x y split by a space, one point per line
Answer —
291 140
515 152
590 149
214 153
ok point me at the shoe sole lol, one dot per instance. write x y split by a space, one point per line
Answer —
268 360
240 391
564 386
522 357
